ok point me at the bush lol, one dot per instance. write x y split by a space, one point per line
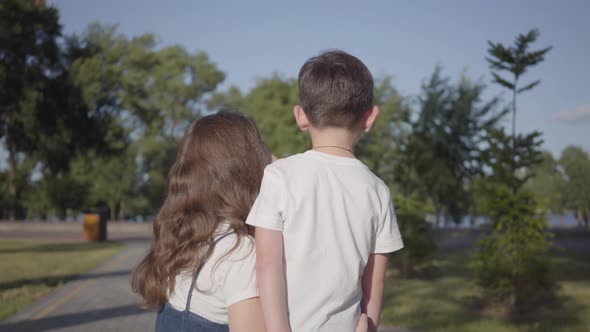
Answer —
417 234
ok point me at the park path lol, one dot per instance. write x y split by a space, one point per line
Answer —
98 301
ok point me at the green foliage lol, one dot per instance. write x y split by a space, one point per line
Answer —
21 182
445 143
516 60
28 56
156 159
109 180
511 263
510 158
419 246
380 149
576 166
109 103
37 201
270 103
549 184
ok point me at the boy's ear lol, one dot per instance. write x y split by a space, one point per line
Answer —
301 118
369 119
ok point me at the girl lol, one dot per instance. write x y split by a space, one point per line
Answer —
199 271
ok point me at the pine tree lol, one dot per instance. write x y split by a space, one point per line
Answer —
516 60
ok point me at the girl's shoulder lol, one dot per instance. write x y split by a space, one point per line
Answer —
233 247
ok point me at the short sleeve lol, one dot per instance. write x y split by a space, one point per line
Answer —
239 282
267 211
388 238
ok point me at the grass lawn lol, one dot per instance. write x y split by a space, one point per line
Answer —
30 269
446 301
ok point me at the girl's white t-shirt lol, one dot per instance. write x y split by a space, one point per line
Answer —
223 280
333 213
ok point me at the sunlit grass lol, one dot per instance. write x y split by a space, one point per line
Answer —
30 269
448 300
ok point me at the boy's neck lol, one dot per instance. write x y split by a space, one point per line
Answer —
335 141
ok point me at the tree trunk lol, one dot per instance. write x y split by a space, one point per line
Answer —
513 159
579 217
516 290
437 218
112 208
513 115
12 165
122 211
63 212
562 219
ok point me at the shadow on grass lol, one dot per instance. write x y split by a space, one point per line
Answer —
69 320
571 265
60 279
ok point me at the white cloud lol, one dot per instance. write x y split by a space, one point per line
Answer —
579 114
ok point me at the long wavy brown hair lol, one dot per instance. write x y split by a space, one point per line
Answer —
215 178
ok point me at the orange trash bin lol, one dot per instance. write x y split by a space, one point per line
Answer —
92 226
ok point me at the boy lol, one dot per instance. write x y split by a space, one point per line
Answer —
324 222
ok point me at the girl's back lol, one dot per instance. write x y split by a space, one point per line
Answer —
199 272
223 280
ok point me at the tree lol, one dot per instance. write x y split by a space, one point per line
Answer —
516 60
549 183
380 149
28 56
74 120
419 244
445 146
110 180
22 183
511 262
270 103
152 93
576 165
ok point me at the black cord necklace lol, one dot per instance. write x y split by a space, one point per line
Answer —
332 146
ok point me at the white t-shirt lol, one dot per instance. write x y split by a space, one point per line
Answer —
222 281
333 212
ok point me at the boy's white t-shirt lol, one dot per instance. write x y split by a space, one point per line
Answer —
333 213
223 280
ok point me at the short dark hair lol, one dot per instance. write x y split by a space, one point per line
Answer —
335 89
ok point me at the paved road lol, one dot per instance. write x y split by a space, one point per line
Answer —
71 232
576 240
99 301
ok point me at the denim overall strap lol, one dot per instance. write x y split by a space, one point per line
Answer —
193 282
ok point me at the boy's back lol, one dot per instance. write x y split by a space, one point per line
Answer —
333 213
324 221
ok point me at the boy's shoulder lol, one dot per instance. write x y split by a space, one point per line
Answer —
311 162
287 162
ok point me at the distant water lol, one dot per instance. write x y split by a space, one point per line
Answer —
567 220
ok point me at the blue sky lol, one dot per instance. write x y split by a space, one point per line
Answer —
403 39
